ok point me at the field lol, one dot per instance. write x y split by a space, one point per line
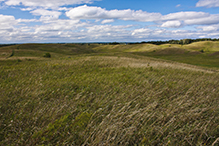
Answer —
99 94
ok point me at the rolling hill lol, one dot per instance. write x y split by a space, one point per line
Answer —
97 94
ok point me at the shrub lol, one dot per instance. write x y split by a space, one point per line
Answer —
18 60
202 51
47 55
12 54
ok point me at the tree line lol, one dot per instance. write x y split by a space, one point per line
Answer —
182 41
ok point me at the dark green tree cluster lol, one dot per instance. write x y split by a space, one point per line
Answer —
114 43
4 45
47 55
182 42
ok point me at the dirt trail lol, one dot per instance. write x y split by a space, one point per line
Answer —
156 63
21 58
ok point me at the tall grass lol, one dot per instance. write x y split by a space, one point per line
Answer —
100 100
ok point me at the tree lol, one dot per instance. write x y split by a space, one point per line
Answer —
47 55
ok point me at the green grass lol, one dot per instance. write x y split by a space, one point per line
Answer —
106 97
206 46
190 54
204 60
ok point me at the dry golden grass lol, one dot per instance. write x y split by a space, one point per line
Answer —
107 99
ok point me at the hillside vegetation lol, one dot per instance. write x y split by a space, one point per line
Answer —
96 94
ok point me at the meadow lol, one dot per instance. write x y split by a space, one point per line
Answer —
101 94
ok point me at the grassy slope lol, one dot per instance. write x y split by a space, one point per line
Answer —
206 46
190 54
105 97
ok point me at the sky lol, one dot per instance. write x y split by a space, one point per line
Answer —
73 21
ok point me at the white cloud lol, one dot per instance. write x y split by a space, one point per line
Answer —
179 5
211 19
7 22
46 3
209 28
107 28
66 34
147 33
185 15
46 14
170 20
107 21
63 9
27 20
26 9
172 24
60 25
141 31
74 30
207 3
51 28
108 32
87 12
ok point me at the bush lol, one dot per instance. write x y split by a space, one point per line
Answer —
18 60
202 51
12 54
47 55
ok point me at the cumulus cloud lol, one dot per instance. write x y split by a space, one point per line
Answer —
51 28
172 24
147 33
76 30
7 22
141 31
87 12
108 32
107 21
174 20
209 28
46 3
27 20
107 28
72 30
185 15
59 25
207 3
26 9
46 14
211 19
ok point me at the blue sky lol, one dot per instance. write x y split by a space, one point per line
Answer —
50 21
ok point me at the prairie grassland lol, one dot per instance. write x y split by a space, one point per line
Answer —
106 99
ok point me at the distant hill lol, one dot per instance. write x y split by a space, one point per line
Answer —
197 53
